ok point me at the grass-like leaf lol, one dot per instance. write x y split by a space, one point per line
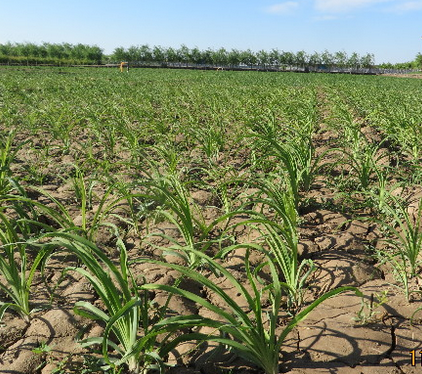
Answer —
16 269
126 312
252 332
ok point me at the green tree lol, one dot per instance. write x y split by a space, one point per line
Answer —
315 59
248 58
94 54
183 54
367 61
301 58
145 53
354 60
158 54
133 54
274 57
327 58
340 58
207 56
171 55
234 57
119 54
263 57
6 49
287 58
195 56
418 61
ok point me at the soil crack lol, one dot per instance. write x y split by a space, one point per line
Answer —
393 342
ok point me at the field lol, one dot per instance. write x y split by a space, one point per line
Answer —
209 222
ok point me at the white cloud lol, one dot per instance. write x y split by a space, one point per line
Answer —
326 17
407 6
344 6
283 8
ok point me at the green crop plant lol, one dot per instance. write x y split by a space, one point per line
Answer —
281 237
283 248
176 206
7 155
83 196
62 123
127 309
363 159
217 132
211 140
280 244
21 211
410 140
59 216
296 154
391 108
136 210
168 154
379 195
368 311
251 333
404 238
130 134
93 219
360 154
273 195
225 184
381 189
16 269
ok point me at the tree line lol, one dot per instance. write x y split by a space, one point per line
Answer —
51 53
81 54
415 64
236 57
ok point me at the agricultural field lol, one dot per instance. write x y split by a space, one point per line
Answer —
193 222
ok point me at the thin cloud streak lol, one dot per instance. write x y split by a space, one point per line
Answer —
408 6
344 6
283 8
326 17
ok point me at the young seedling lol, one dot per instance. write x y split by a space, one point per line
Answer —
130 330
15 269
368 312
404 231
254 335
7 155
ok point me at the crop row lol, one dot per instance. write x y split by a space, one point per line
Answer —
91 160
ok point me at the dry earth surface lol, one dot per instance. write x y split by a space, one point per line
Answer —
330 340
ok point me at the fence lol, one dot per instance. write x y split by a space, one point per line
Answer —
274 68
243 67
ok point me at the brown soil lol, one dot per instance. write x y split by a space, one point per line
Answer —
412 75
328 341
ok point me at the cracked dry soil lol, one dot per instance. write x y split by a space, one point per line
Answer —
330 340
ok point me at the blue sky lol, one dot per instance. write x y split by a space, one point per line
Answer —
391 29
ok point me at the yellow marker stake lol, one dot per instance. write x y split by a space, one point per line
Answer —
123 64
